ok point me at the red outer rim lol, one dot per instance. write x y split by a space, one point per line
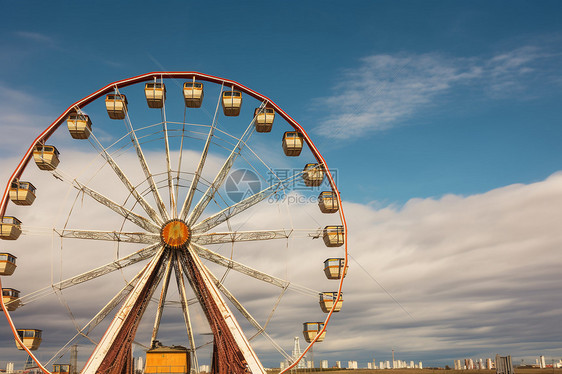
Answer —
177 75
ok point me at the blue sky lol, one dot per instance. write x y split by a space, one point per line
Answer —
480 136
422 106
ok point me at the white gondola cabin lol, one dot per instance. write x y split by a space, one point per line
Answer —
193 94
79 125
22 193
10 228
333 236
116 105
7 264
46 156
313 175
311 329
334 268
61 369
264 119
231 103
31 338
292 143
327 300
11 298
328 202
155 94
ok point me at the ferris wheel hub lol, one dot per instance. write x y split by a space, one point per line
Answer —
175 234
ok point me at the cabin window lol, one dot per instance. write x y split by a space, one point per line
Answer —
10 220
10 292
7 257
29 333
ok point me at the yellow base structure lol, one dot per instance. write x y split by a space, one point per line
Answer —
164 360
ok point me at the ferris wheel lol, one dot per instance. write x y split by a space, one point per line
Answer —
171 175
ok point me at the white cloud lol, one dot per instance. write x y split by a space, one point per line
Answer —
35 37
475 273
385 90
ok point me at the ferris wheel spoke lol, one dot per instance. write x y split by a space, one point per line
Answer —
247 315
121 263
185 308
193 187
146 170
221 176
132 190
231 211
104 200
207 254
226 262
116 342
125 213
162 300
112 236
244 236
173 209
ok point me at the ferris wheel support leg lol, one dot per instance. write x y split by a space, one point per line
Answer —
185 308
112 354
229 340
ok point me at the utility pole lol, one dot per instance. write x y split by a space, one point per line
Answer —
73 359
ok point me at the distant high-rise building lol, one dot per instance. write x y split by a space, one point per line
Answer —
324 364
381 365
10 368
338 364
387 364
140 365
458 365
488 363
542 363
504 365
420 365
352 364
